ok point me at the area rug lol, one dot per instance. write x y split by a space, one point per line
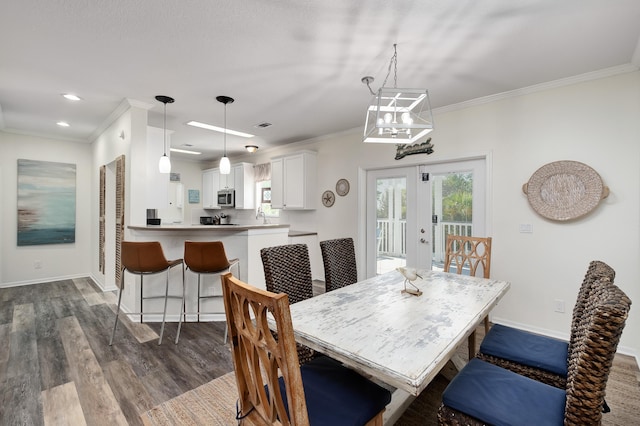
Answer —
214 402
210 404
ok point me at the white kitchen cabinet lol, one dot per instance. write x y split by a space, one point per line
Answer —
293 181
210 187
227 181
241 179
244 185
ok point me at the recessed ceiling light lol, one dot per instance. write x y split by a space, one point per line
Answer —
63 124
71 97
218 129
184 151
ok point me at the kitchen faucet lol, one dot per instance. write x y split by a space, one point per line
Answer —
259 213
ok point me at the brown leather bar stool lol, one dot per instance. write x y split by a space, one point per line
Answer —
207 257
146 258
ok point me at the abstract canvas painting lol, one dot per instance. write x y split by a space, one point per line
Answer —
46 203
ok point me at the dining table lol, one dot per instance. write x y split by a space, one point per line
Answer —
384 332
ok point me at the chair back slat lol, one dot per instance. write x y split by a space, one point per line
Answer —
471 254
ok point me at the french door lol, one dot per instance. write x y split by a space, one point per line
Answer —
411 210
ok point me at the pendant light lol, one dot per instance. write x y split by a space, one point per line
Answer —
225 164
164 165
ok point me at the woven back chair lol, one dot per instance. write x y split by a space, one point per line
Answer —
287 269
273 389
539 357
339 259
596 272
469 256
526 401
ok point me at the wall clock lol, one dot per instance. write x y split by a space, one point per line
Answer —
328 198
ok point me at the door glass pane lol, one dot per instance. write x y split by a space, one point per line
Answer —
391 223
452 210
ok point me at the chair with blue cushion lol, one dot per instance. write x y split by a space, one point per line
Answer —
273 388
540 357
484 393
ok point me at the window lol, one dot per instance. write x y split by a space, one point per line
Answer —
263 195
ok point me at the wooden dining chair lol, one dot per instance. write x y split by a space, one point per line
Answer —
469 256
484 393
143 259
273 389
339 259
287 269
539 357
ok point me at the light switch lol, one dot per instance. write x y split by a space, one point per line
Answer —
526 228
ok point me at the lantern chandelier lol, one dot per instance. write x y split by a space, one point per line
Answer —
400 116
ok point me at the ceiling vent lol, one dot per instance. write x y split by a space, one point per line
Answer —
263 125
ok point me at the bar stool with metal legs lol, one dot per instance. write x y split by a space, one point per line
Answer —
147 258
207 257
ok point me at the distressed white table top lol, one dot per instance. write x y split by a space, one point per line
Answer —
400 339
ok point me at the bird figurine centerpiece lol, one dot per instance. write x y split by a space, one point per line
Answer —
410 275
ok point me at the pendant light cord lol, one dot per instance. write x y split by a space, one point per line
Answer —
225 130
164 125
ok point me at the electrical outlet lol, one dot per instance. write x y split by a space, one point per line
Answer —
37 264
558 305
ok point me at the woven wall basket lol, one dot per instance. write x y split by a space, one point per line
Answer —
565 190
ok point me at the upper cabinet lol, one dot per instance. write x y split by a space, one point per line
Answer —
210 187
293 181
241 180
244 184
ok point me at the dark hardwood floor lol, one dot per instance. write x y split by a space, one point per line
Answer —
57 368
56 365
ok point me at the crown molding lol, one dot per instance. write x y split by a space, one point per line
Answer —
594 75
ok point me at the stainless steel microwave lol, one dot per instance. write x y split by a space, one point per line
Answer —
227 198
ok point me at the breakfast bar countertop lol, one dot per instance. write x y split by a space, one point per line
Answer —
183 227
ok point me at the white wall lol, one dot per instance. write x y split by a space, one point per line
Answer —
59 261
595 122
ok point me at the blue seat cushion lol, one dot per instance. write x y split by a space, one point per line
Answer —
501 397
336 395
526 348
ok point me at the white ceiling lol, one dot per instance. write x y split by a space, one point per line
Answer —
294 63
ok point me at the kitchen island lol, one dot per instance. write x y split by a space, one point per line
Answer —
240 241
